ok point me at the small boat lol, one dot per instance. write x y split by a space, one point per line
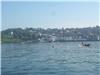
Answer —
86 45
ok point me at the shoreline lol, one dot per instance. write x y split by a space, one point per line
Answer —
55 41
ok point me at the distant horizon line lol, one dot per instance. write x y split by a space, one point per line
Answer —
51 27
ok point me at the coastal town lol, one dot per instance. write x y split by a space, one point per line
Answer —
50 35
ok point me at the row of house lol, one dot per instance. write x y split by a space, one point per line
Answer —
62 36
54 37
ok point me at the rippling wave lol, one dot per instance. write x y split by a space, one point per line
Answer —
41 59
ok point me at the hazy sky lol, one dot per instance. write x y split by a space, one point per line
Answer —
49 14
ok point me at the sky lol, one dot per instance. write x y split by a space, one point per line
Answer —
45 14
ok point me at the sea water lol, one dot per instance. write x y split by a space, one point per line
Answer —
57 58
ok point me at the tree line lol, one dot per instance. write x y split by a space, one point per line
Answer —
33 34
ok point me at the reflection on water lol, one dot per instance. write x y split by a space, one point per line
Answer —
66 58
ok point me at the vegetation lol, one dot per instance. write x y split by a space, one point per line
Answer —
34 34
